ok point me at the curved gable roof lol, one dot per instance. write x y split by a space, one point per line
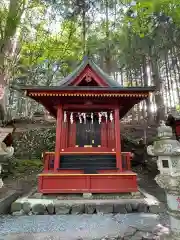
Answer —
87 62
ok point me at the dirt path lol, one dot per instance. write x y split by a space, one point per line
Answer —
23 184
147 183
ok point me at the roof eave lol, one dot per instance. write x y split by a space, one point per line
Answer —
56 88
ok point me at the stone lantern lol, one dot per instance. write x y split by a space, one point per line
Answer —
167 150
5 151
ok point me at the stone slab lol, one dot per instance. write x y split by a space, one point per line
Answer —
80 201
78 206
62 208
50 208
73 196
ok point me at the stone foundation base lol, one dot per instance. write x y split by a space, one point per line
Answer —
29 206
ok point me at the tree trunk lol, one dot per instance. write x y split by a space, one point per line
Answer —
145 77
107 52
84 27
14 14
8 43
3 80
158 94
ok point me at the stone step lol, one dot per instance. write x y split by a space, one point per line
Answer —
29 206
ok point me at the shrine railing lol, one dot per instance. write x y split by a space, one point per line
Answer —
48 158
126 160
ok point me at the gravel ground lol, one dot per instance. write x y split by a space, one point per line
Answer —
80 196
94 226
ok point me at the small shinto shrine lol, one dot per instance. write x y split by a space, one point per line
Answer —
88 105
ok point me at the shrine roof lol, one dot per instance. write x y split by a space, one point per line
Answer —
88 62
79 88
67 84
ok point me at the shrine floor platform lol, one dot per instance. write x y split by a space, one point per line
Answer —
49 182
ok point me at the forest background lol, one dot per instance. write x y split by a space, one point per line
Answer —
42 41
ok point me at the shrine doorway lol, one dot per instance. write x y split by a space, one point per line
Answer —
88 134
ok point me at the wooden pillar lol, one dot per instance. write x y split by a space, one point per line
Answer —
117 139
58 137
46 161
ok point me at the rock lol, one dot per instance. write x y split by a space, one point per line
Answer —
128 207
38 209
134 206
136 194
61 208
90 208
161 230
77 209
20 213
30 213
119 208
130 231
104 208
16 206
87 195
149 236
37 195
139 235
143 207
26 207
157 208
50 208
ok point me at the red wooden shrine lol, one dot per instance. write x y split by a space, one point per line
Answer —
174 122
88 106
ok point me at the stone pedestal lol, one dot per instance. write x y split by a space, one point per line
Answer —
171 184
168 152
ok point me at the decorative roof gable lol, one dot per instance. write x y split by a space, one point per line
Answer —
89 74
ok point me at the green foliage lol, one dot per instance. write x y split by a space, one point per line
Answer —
22 167
144 14
178 108
50 47
54 35
32 144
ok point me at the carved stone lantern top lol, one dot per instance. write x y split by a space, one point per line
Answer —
164 132
164 145
167 150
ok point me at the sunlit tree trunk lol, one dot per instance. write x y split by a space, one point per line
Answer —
107 51
158 94
145 77
13 17
84 27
